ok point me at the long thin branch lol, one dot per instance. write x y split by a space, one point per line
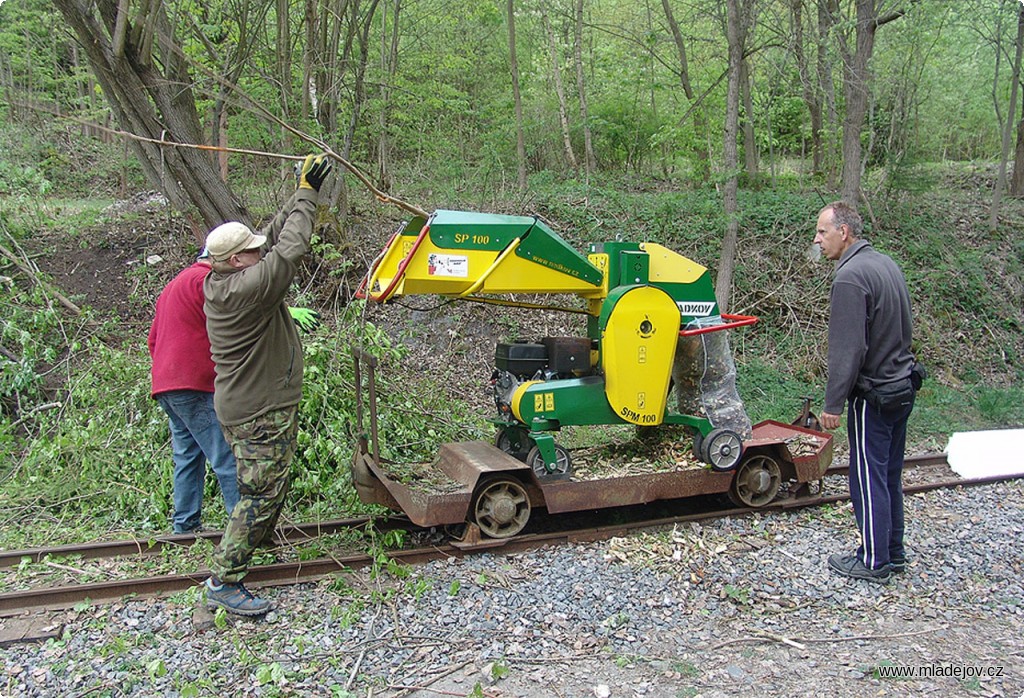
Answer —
761 637
326 149
34 277
257 106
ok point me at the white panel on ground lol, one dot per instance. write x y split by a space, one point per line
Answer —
976 454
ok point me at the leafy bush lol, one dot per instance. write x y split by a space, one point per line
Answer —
100 460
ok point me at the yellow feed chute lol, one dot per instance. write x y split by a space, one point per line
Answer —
456 253
639 330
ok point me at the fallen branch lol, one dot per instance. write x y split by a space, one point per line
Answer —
405 690
761 637
38 408
65 568
34 277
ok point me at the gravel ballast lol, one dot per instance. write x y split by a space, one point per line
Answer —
741 606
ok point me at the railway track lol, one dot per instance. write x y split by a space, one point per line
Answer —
17 602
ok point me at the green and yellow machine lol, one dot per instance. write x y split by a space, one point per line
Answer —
639 299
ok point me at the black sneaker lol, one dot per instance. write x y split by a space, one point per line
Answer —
851 566
899 564
234 598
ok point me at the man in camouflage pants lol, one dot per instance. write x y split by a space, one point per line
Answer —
258 359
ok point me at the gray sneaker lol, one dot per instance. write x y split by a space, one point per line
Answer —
234 598
851 566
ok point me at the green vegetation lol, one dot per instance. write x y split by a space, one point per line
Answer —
84 450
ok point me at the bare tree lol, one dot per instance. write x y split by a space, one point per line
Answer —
389 66
997 193
811 90
284 68
152 102
699 154
1017 180
828 10
556 76
735 30
516 96
231 57
577 47
749 139
856 89
337 64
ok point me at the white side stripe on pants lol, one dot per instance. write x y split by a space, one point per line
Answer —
864 479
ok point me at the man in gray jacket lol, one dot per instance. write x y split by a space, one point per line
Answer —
258 359
869 368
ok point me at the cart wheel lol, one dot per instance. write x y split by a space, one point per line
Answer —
721 449
698 443
563 463
757 481
514 441
501 507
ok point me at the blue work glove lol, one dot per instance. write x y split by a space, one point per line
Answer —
312 172
306 319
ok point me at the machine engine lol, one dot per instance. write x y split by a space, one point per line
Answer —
553 358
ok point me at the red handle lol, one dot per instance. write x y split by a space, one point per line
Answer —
733 322
364 292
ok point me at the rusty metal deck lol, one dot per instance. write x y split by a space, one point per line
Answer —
462 465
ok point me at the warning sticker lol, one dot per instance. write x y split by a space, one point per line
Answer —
448 265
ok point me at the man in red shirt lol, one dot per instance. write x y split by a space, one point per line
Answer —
182 380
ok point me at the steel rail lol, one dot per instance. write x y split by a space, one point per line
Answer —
16 602
298 533
287 534
921 460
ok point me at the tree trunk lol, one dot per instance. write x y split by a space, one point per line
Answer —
232 61
363 26
312 31
1011 113
331 60
284 76
517 98
730 201
702 164
827 11
856 89
749 139
1017 182
152 104
588 145
812 95
389 60
556 75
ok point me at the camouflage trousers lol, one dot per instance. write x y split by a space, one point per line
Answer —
263 450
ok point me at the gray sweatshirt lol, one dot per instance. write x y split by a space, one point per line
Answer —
869 329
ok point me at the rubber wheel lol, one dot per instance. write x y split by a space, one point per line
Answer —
514 441
722 449
563 463
698 443
757 481
501 507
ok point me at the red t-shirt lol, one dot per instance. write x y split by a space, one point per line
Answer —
178 343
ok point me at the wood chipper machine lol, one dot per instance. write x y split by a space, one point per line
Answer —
640 300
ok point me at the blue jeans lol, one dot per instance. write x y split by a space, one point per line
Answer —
196 437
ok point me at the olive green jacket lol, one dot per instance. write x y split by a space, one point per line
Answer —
253 339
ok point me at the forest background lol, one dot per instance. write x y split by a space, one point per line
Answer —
718 129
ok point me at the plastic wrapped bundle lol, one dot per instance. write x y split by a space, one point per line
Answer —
705 379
